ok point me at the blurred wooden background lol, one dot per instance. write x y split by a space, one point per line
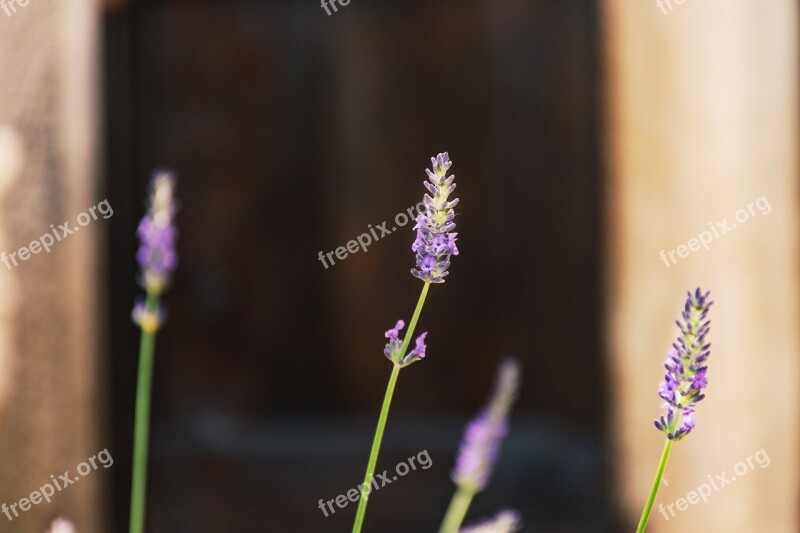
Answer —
702 122
291 132
585 140
51 330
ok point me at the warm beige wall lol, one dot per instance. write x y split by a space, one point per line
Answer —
702 120
48 305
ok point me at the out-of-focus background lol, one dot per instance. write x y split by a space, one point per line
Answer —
587 139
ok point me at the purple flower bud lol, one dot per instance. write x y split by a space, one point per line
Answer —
395 343
436 241
157 234
417 353
394 347
393 333
482 439
685 380
156 255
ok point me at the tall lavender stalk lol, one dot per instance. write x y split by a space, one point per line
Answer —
435 243
683 385
481 446
157 259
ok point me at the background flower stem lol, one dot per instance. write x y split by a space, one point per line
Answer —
142 421
457 510
654 490
387 401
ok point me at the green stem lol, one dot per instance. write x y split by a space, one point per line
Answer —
142 421
457 510
654 490
414 318
387 401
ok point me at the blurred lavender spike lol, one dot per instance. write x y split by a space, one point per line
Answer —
157 234
482 439
156 256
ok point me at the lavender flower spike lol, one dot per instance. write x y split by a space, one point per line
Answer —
156 255
483 436
436 241
157 234
685 380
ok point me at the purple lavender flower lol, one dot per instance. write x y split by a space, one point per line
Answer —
157 234
485 433
505 521
156 255
436 241
685 380
394 347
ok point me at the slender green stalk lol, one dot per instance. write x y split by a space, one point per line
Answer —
654 490
142 421
457 510
414 319
387 401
